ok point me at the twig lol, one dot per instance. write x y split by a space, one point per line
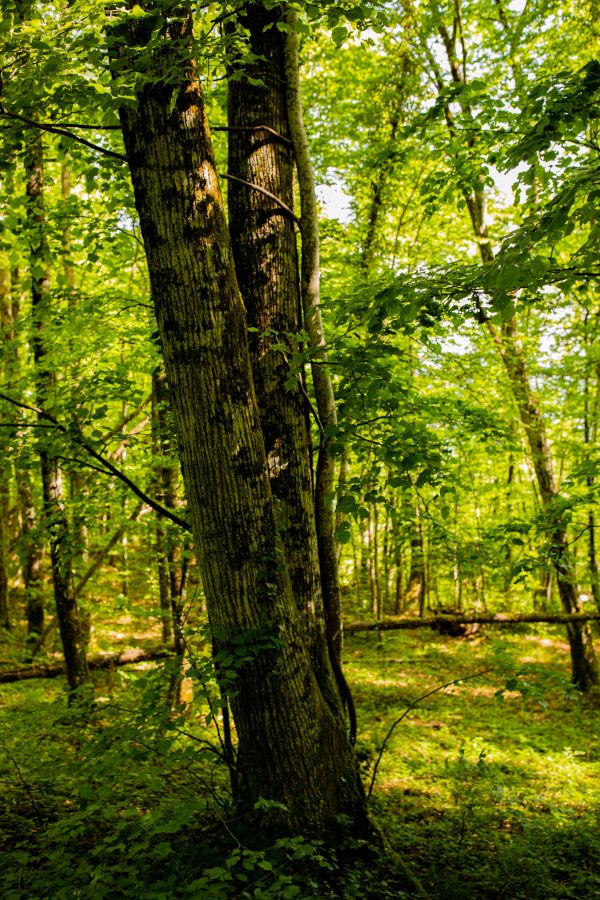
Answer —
442 687
27 787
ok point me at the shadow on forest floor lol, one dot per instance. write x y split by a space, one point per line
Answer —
487 788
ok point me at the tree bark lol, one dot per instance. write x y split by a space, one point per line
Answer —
264 249
292 748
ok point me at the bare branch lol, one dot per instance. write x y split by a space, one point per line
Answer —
74 434
53 129
262 190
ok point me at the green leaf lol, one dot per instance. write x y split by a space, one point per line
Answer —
339 34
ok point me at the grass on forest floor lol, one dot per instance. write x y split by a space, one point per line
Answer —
490 787
486 789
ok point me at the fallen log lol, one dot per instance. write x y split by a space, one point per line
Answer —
103 661
399 624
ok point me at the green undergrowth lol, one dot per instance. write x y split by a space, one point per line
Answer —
487 788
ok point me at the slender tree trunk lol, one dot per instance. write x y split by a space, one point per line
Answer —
158 399
5 468
292 748
80 540
54 507
313 323
31 553
583 659
415 587
30 547
584 666
4 545
589 437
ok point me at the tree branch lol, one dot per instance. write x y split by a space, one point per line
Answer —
74 434
410 706
264 191
266 128
53 129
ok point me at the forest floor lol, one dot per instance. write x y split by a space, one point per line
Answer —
487 788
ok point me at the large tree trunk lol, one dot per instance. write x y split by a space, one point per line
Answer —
264 249
54 507
292 749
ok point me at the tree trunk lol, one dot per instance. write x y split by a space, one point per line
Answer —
414 592
5 468
501 619
164 590
584 665
292 748
54 507
583 659
264 249
313 323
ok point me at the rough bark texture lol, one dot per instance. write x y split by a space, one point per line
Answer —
54 507
313 323
292 749
264 249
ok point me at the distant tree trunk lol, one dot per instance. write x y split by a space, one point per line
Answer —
54 508
590 433
29 545
583 659
164 588
344 474
4 545
5 468
80 542
376 599
385 553
414 592
584 666
292 749
173 564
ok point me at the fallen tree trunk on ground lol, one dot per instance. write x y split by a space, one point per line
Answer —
105 661
443 621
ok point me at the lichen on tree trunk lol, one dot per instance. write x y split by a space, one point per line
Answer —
292 749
